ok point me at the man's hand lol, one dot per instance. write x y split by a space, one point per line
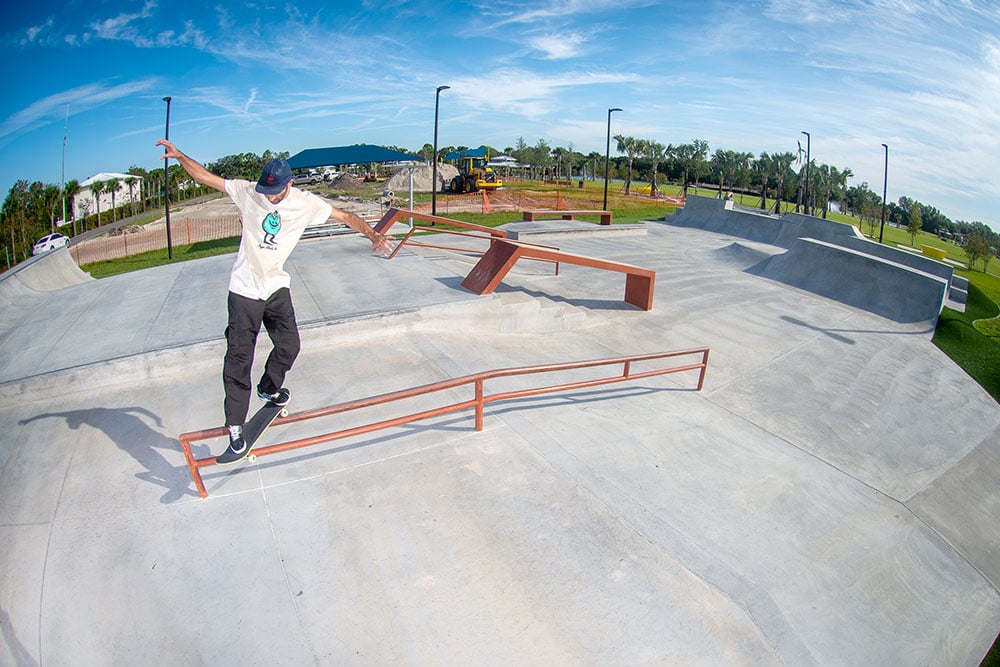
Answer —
169 150
382 245
194 169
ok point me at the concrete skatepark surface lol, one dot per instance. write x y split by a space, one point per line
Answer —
828 498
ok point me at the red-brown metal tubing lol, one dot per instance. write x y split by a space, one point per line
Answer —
480 400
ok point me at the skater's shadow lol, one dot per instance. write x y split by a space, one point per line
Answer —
130 430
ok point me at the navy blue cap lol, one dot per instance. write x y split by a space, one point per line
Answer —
274 178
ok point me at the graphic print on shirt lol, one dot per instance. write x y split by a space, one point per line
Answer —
271 225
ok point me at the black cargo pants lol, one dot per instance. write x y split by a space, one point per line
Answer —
245 317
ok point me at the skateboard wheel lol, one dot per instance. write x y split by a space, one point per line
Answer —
252 458
284 412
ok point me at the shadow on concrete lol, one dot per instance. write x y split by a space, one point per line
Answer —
461 423
21 655
835 333
126 428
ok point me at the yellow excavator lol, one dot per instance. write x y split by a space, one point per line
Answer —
473 172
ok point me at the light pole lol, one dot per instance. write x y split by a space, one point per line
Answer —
885 184
62 184
434 168
806 189
607 157
166 183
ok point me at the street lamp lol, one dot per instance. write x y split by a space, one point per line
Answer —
607 156
434 168
166 183
806 195
885 184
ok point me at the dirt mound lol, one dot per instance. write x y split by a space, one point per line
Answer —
346 182
423 176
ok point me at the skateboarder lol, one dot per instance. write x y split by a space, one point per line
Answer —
274 214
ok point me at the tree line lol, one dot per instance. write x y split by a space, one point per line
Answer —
32 210
779 181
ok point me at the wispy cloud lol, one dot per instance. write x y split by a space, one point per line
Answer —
558 47
79 99
529 93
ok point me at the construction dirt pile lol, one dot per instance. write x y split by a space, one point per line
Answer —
423 177
346 182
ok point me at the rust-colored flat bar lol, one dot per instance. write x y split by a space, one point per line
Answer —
494 265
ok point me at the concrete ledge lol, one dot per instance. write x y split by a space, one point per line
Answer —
555 229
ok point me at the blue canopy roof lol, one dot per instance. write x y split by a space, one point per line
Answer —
467 152
357 154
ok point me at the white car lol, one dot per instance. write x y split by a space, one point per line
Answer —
311 178
50 242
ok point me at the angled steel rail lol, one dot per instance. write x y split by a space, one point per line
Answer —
477 401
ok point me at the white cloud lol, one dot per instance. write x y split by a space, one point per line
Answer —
53 107
558 47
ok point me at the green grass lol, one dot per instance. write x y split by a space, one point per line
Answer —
153 258
976 353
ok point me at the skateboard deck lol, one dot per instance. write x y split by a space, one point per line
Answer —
259 423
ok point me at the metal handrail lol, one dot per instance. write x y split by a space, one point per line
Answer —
478 402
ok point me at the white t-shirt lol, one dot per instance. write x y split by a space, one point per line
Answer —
270 232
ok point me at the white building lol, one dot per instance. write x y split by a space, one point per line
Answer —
84 204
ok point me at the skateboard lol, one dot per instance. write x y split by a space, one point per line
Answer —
259 423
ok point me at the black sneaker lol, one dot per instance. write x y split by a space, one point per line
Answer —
280 397
237 448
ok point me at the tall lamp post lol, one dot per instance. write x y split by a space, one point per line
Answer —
434 168
806 193
166 183
607 157
885 184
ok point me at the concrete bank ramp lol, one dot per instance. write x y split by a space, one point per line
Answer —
829 258
42 273
877 285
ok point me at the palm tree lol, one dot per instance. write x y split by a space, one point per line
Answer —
70 191
841 184
559 153
111 186
50 201
691 160
156 181
629 146
141 175
96 188
594 158
764 166
130 182
782 163
720 168
655 152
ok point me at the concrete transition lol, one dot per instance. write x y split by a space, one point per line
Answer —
43 273
833 259
828 498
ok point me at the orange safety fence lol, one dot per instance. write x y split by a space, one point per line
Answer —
477 402
135 240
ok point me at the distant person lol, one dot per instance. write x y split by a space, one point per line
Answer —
274 214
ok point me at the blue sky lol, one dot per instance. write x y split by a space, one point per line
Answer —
922 76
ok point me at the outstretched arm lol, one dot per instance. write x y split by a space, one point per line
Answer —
194 169
381 245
